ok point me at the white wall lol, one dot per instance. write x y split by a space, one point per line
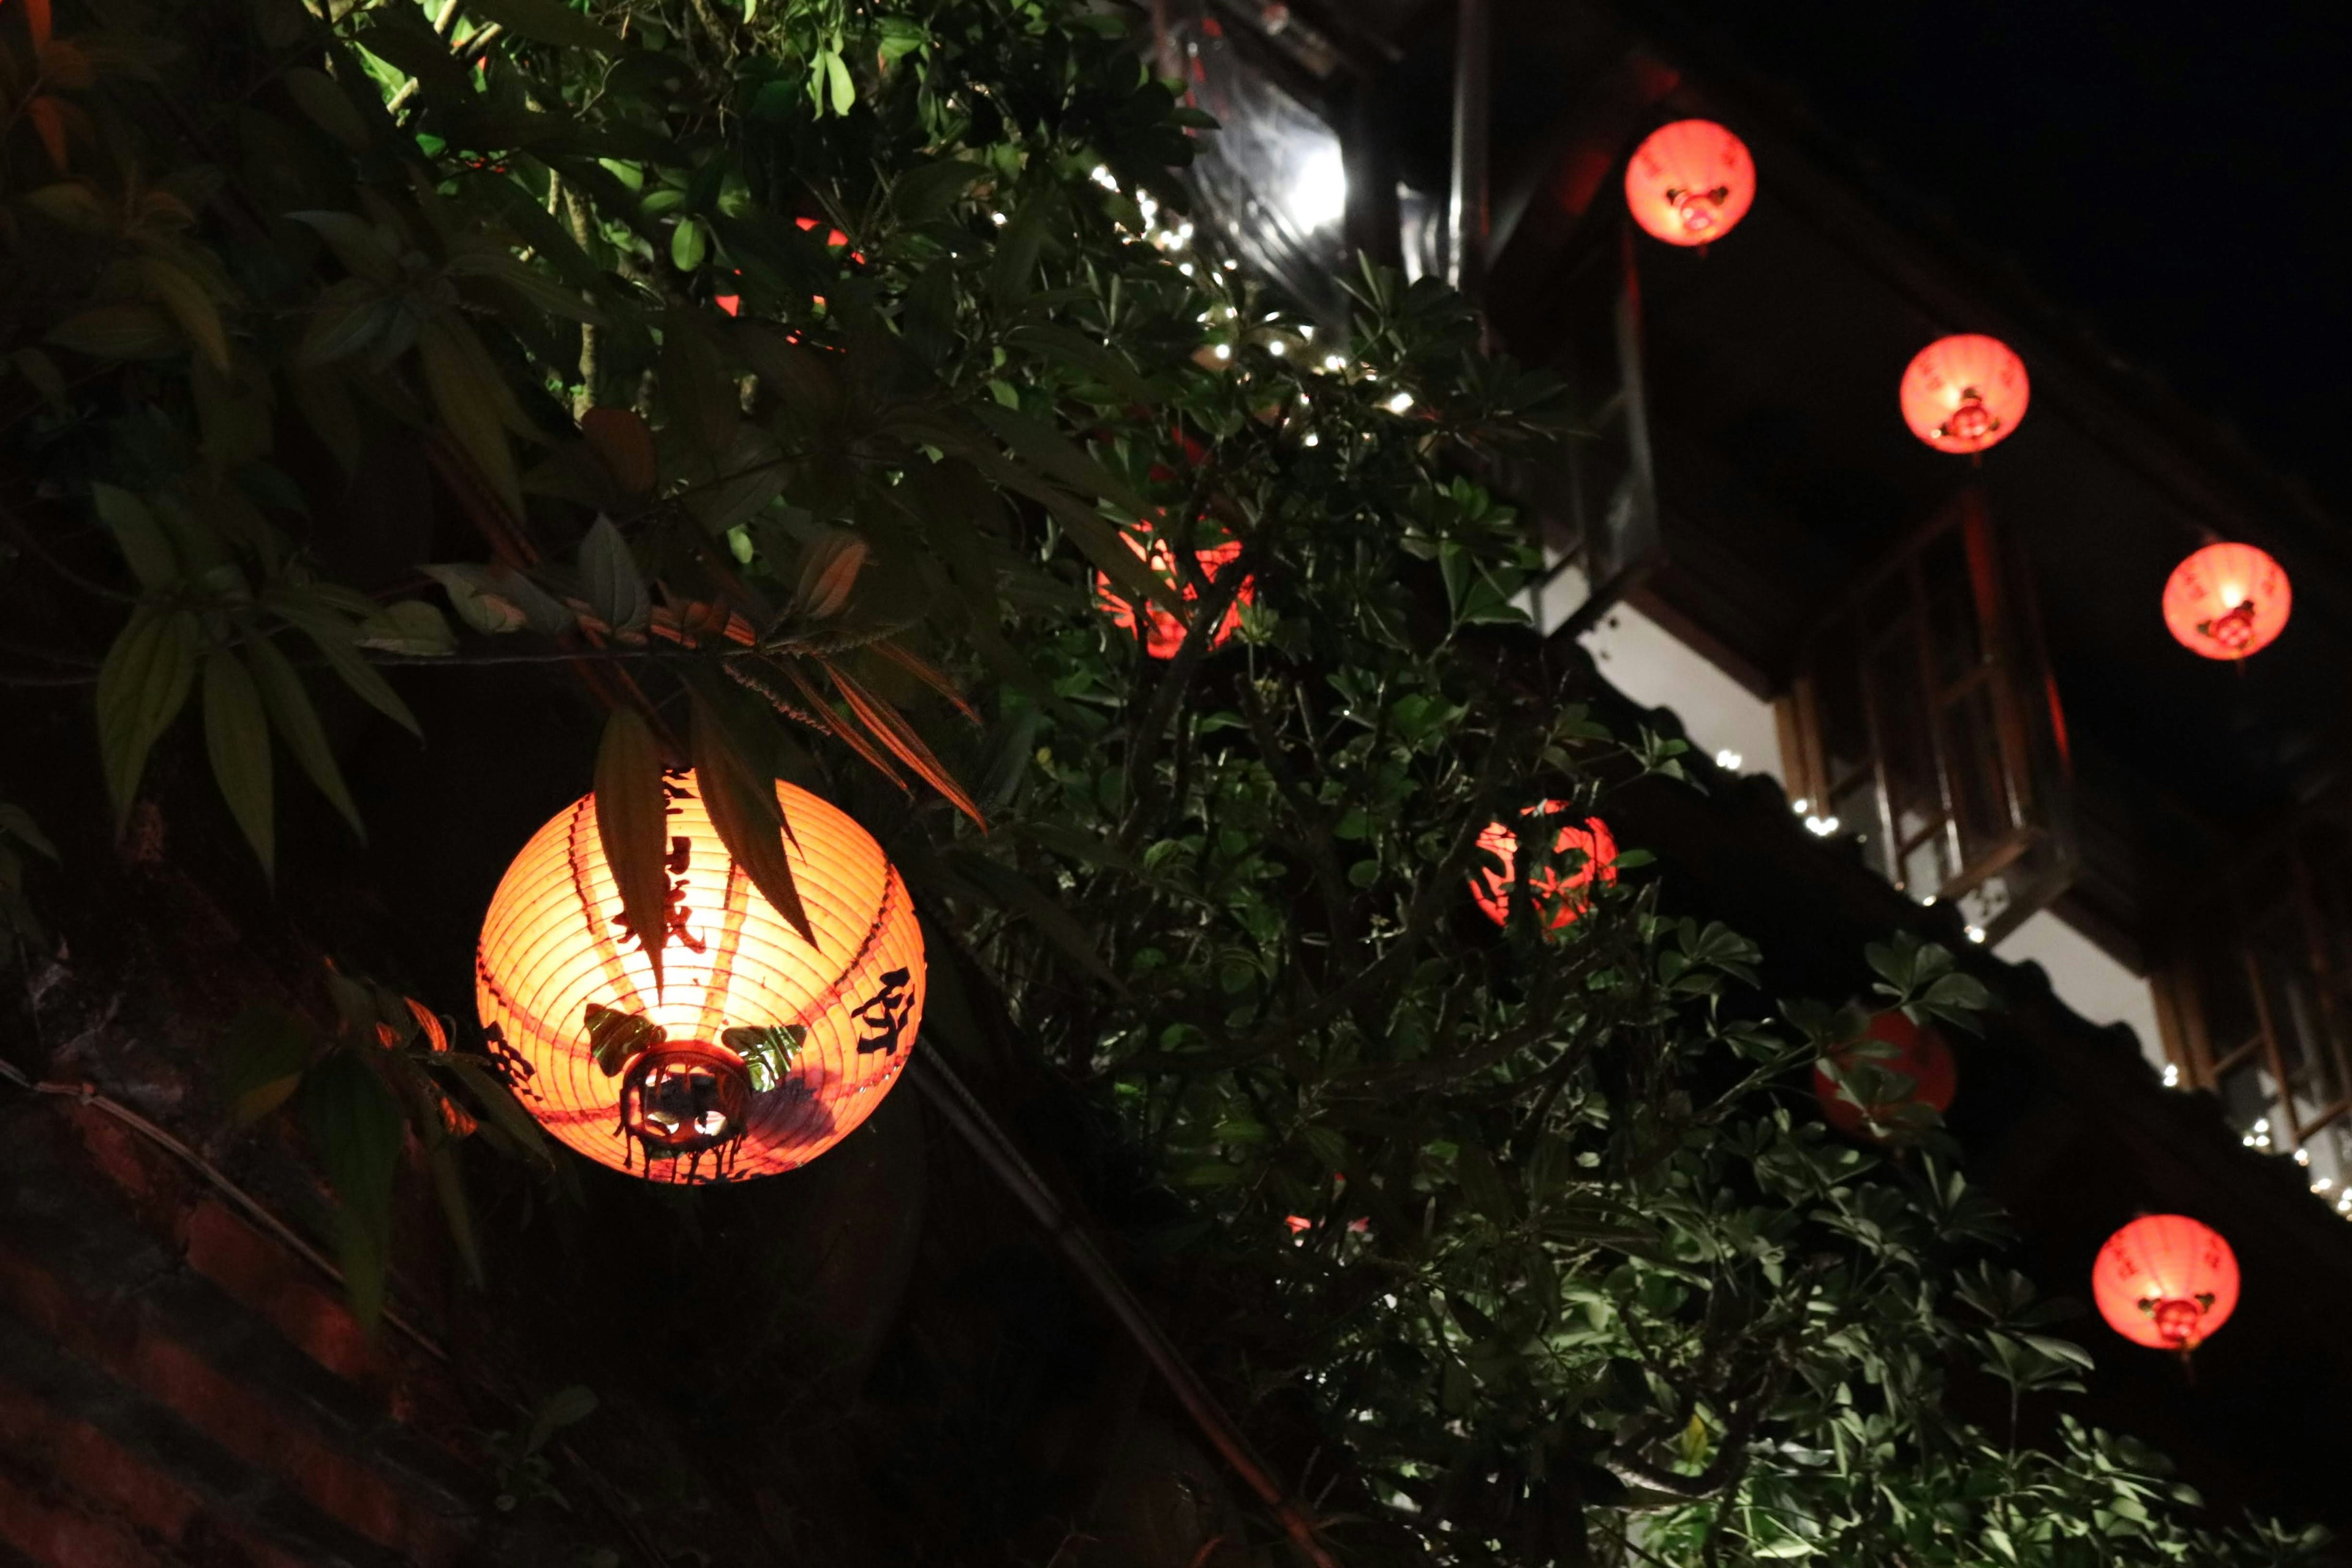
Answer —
2086 979
1650 665
1653 667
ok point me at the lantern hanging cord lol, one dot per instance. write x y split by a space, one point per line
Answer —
947 1093
270 1225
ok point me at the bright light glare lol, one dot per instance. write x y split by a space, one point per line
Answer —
1401 402
1727 758
1318 190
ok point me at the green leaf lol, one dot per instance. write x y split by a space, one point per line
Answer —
688 244
924 193
564 1407
317 96
549 22
698 394
141 686
337 639
267 1046
18 822
1018 246
410 626
297 723
1011 889
124 330
449 1188
1482 1183
498 1104
633 826
747 814
475 404
614 1035
844 93
139 537
236 738
616 590
769 1051
356 1131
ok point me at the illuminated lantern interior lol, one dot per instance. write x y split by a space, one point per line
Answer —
1560 891
1964 393
759 1051
1690 183
2227 601
1919 1072
1164 633
2166 1282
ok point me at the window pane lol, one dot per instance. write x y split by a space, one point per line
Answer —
1951 608
1837 684
2227 1004
2250 1100
2331 1161
1980 784
1914 792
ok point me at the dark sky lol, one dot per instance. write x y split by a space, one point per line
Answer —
2179 173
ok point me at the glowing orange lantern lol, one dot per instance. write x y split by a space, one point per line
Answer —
1559 896
757 1050
2166 1282
1964 393
1690 183
2227 601
1164 633
1919 1055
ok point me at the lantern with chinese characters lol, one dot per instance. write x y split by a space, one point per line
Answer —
2166 1282
1561 891
1964 393
1690 183
757 1050
1164 633
1894 1068
2227 601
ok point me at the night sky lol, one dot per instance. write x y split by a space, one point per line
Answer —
2178 173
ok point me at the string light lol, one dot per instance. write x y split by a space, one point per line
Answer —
2172 1075
1401 402
1821 827
1975 934
1727 758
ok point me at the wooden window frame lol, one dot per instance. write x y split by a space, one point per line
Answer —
2226 930
2030 859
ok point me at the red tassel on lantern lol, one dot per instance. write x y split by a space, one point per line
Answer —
2227 601
2166 1282
1690 183
1965 394
1919 1055
1559 896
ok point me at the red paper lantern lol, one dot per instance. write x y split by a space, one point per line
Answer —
1964 393
1690 183
1919 1055
1559 892
757 1051
1164 633
2166 1282
2227 601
